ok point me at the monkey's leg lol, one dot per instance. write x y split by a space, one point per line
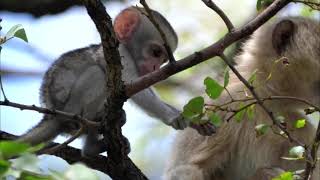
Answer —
266 173
93 145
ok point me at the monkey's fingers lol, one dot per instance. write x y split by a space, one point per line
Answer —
179 123
205 129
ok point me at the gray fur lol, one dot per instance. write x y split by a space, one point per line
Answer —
75 83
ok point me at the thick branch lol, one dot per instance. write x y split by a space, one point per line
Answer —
207 53
121 166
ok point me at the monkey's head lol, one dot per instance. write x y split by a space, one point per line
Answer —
143 41
289 50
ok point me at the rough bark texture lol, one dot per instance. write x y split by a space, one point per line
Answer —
119 164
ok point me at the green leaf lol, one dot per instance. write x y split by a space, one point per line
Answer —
250 111
193 108
21 33
258 5
284 176
215 120
261 4
17 31
261 129
226 77
33 176
12 148
4 167
300 123
239 115
253 77
213 89
297 152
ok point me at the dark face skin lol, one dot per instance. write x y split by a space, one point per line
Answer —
153 55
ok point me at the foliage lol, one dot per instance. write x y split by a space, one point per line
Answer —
284 176
25 165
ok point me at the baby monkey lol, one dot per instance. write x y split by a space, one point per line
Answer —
235 152
75 83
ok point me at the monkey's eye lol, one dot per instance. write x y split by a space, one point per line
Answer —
156 51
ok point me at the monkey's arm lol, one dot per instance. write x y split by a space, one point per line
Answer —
151 103
154 106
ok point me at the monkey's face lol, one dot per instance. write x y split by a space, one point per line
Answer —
143 40
153 55
297 41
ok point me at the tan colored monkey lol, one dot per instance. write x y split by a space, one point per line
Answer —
75 83
234 152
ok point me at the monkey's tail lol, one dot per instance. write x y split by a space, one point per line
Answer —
45 131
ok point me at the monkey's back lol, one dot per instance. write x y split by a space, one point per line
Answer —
75 83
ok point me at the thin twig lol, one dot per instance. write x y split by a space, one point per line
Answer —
70 116
317 108
259 101
312 5
2 90
240 109
1 85
314 149
150 16
223 16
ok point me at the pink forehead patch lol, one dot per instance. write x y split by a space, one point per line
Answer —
126 23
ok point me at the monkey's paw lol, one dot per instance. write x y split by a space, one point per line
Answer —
204 128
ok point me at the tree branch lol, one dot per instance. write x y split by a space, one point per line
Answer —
39 8
157 26
72 117
70 154
310 165
223 16
119 164
207 53
259 100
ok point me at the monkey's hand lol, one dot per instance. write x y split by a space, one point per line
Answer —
205 128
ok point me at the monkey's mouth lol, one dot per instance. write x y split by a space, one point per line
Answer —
148 67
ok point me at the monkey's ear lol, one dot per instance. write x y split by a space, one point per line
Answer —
282 34
126 23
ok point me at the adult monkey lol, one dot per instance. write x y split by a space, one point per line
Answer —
75 83
234 152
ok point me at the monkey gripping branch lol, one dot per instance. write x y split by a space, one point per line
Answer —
117 164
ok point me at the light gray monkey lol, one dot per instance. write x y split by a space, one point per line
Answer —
234 151
75 83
